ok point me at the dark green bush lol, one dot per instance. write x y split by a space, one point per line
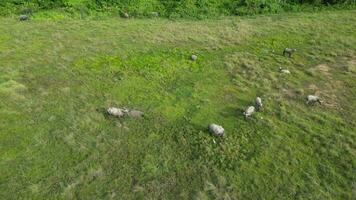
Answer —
45 4
173 8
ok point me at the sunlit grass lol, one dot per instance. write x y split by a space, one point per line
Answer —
57 77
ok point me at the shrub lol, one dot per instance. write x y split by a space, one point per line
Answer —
173 8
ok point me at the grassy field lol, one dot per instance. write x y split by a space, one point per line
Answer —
57 77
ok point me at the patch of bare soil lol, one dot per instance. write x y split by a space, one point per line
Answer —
312 88
322 68
327 93
290 93
351 65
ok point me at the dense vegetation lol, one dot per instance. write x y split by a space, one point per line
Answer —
173 8
58 76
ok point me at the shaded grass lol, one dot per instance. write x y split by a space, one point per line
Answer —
57 78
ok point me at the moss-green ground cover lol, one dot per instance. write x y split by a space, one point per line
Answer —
58 76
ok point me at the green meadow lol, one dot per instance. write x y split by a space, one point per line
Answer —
58 77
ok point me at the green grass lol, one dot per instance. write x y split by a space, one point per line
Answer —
58 76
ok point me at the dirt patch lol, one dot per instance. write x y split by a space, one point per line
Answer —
351 65
327 93
312 88
329 100
289 93
323 68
